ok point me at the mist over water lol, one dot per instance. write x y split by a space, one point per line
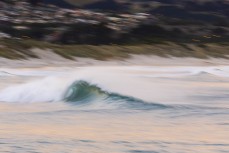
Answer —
115 109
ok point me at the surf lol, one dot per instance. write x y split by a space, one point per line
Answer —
80 93
114 87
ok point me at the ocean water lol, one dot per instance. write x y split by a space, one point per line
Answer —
135 109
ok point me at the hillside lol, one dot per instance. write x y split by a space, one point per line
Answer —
60 3
115 22
81 3
204 10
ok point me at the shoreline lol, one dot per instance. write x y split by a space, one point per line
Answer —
34 54
134 60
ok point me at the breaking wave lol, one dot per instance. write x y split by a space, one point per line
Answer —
80 93
83 93
115 87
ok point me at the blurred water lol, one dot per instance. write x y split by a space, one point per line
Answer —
133 110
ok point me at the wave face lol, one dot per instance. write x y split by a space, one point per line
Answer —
82 93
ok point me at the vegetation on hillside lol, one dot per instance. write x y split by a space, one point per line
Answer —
21 49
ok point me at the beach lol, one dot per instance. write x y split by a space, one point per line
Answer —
47 58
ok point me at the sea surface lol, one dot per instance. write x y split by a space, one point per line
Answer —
134 109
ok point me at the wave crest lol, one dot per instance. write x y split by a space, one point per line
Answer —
83 93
